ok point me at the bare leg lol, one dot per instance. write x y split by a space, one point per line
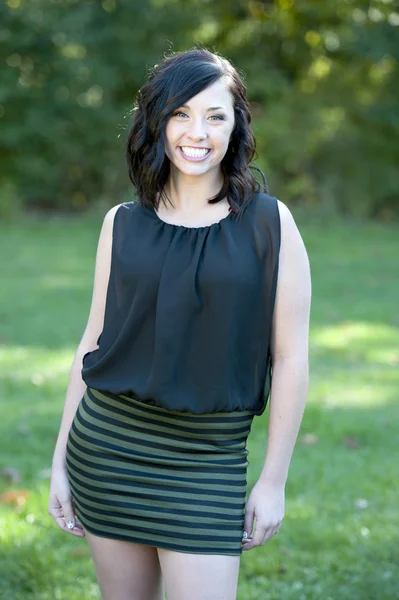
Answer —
199 576
126 571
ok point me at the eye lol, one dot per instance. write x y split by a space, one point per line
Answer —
217 117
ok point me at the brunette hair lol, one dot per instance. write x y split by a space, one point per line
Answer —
176 79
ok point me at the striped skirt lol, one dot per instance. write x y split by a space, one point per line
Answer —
169 479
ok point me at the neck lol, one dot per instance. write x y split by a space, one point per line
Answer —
191 194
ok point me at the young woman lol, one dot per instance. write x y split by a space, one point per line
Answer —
201 296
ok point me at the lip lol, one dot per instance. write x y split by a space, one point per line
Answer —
196 159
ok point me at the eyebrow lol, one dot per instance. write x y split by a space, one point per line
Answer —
208 109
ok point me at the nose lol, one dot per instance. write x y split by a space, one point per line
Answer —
197 130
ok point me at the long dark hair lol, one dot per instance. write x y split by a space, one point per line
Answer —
171 83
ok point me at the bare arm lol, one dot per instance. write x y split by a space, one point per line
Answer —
289 347
76 385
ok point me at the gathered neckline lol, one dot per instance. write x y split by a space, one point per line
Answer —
153 212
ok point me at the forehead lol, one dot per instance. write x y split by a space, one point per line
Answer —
217 94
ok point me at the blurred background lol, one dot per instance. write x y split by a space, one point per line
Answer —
322 78
323 82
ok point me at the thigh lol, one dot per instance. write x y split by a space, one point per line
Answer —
124 570
199 576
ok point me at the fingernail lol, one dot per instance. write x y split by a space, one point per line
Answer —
245 535
70 525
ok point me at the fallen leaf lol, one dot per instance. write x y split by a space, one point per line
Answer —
17 497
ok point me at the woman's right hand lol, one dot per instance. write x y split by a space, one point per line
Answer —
60 505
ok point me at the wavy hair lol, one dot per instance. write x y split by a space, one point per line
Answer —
171 83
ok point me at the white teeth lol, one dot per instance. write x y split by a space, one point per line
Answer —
194 152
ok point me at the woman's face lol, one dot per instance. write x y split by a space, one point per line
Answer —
206 121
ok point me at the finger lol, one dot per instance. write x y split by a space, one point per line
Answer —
77 522
255 540
78 525
245 543
249 544
63 514
68 513
78 531
248 522
276 530
267 537
269 534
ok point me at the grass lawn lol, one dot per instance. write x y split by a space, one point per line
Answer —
340 536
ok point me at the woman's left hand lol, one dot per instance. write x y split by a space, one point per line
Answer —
266 502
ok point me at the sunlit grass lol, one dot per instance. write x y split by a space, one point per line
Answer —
339 538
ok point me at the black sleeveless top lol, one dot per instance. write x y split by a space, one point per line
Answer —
189 310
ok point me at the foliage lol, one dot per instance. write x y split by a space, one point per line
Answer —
322 79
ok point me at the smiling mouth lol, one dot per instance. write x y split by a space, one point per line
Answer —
194 153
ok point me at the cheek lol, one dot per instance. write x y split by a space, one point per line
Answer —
169 143
173 132
222 139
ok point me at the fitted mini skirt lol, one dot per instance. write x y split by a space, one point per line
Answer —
144 474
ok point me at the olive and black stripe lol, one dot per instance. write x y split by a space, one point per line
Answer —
170 479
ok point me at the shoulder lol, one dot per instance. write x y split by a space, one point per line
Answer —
120 221
284 213
290 235
121 209
293 254
110 214
279 222
275 208
107 227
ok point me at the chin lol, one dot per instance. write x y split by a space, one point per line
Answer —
193 168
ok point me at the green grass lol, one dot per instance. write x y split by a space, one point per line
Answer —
328 546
